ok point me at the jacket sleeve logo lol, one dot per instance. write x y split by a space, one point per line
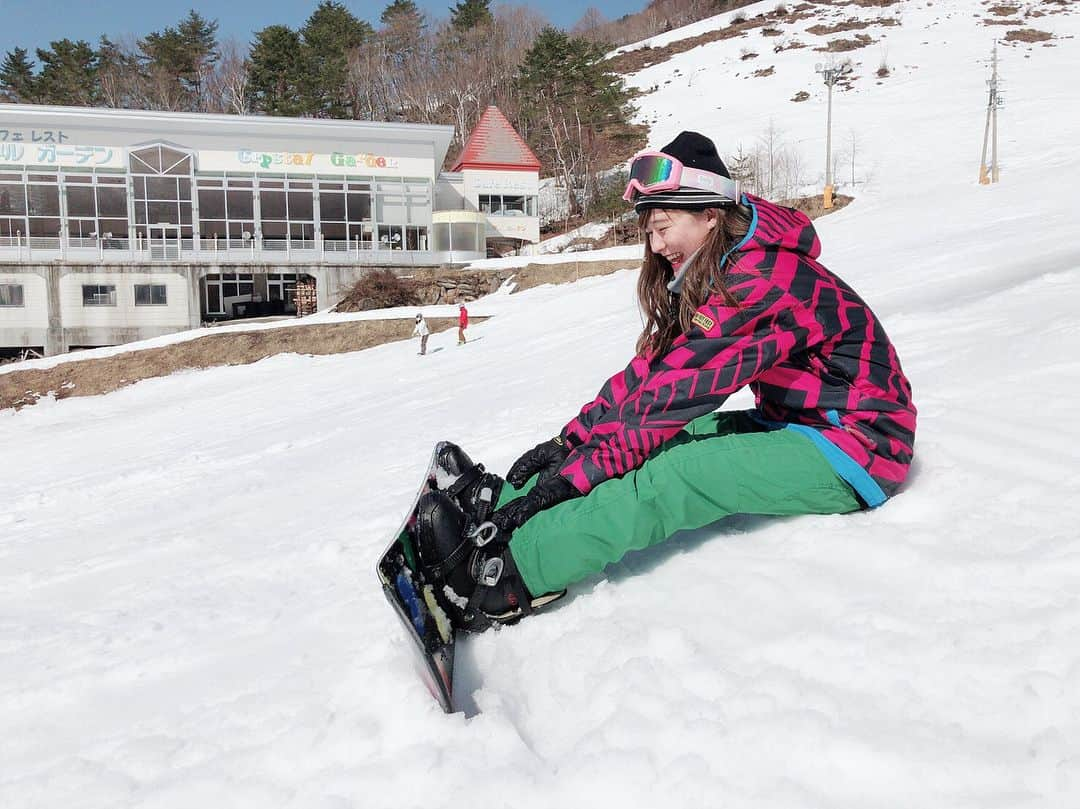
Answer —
704 321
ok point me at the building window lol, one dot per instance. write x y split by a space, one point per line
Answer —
161 182
99 294
150 295
226 211
345 214
507 204
11 295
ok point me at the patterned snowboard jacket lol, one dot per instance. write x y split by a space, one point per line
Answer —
813 353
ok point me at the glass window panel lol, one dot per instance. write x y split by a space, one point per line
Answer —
174 162
440 232
230 290
77 179
40 226
301 206
82 227
145 160
11 295
111 179
112 201
514 203
272 204
241 204
80 201
300 185
237 229
212 227
162 212
99 294
117 227
213 298
330 185
239 182
161 188
211 203
185 213
140 213
13 199
359 207
12 226
334 231
331 207
150 295
274 230
463 235
265 183
43 178
44 200
184 188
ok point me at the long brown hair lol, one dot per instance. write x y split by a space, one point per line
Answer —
667 315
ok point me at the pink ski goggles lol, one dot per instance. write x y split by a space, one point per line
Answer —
651 172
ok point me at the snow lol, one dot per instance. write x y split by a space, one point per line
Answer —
189 614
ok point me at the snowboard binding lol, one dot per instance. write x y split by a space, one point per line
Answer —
465 555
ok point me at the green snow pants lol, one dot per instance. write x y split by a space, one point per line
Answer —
720 464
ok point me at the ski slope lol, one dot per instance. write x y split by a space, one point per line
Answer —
189 615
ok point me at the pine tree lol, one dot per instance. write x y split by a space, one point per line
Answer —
572 105
17 80
329 34
68 74
277 69
468 14
179 58
403 29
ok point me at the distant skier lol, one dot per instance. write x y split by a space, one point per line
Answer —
732 296
422 331
463 323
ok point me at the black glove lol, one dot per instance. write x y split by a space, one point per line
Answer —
547 458
544 494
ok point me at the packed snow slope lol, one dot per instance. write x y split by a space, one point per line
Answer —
189 614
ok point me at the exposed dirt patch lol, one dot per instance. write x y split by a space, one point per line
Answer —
1003 10
988 21
842 45
765 71
847 25
96 376
633 61
802 95
1028 35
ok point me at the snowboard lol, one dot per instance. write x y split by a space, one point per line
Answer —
431 637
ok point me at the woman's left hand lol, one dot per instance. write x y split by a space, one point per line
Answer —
543 495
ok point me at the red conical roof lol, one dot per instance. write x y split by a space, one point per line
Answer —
495 144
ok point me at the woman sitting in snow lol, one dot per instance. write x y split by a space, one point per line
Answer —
732 295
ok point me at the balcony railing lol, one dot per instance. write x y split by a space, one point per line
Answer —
114 250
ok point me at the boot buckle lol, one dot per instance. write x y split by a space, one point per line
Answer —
492 572
484 533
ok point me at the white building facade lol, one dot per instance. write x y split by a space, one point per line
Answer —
118 225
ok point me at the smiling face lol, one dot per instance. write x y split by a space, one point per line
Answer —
675 234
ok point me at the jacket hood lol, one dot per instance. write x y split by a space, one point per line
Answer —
774 227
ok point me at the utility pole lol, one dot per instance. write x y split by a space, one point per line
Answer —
831 73
990 130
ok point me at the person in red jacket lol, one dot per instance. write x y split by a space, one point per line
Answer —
462 323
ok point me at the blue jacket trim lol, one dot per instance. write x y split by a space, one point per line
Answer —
749 232
842 463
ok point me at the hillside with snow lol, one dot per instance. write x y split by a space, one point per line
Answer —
189 614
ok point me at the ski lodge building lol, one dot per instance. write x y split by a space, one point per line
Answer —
120 225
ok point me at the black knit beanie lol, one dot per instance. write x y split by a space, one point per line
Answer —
696 151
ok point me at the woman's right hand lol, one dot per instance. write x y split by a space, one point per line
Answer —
546 458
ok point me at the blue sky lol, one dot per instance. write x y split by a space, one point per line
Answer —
33 24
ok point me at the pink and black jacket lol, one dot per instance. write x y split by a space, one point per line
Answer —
815 356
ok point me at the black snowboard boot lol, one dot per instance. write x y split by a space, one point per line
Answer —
478 585
475 490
